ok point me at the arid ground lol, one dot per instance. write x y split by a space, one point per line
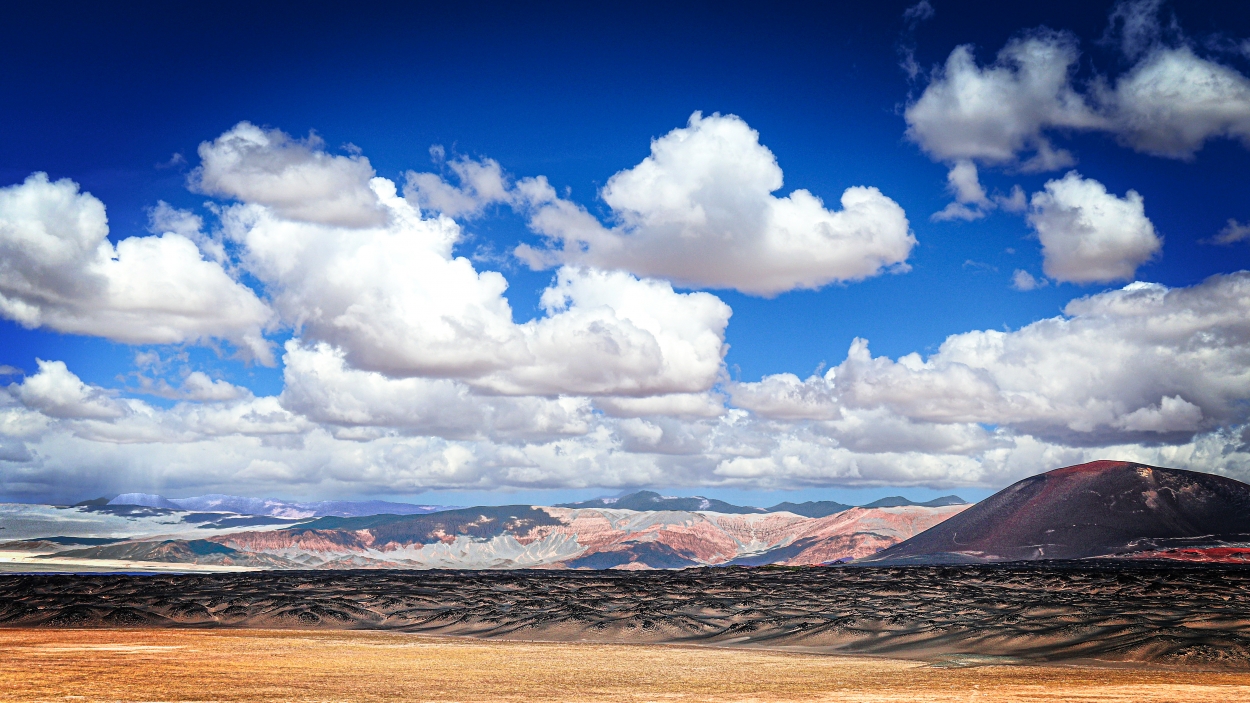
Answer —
285 665
1195 616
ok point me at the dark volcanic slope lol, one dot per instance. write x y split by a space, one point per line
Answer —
812 508
1097 509
1039 611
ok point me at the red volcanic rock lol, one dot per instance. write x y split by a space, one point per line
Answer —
751 538
1208 555
861 532
338 541
1097 509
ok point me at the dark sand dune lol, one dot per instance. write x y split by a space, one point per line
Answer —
1103 508
1163 614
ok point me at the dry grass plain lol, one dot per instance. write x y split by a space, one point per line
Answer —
273 665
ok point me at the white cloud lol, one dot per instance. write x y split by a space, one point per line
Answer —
296 178
1173 101
1232 233
996 113
1089 235
1169 103
1172 414
482 184
165 218
59 270
708 404
971 202
783 396
407 371
56 392
1014 201
918 13
700 211
964 183
1142 359
988 408
321 386
1024 281
1135 23
198 386
396 300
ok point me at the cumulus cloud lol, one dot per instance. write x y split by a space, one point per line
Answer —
1144 373
993 114
1169 103
199 386
296 178
396 300
321 386
785 397
1141 362
1173 102
482 183
1089 235
1232 233
56 392
700 211
1013 201
164 218
407 371
59 270
971 202
709 404
196 385
1022 280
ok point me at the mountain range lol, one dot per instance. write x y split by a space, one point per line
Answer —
650 500
525 536
642 530
640 500
1098 510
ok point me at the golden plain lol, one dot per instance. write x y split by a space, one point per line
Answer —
274 665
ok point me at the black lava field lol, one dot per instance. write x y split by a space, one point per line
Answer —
1038 611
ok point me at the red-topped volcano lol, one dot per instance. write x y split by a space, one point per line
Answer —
1101 508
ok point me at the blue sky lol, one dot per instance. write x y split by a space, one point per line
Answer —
119 102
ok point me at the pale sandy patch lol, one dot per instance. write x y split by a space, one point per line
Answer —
267 665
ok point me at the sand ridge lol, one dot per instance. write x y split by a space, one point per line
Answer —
1169 615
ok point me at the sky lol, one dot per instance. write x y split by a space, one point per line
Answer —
457 253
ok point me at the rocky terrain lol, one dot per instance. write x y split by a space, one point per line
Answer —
1046 611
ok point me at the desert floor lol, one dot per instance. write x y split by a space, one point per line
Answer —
273 665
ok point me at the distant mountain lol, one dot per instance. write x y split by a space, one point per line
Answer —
524 536
1103 508
650 500
146 500
270 507
812 508
896 501
178 552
